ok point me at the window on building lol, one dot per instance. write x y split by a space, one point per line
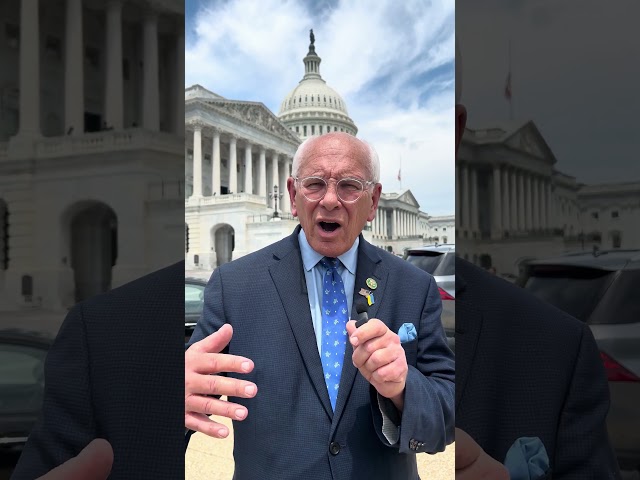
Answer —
335 129
12 34
444 229
207 159
313 129
189 154
616 239
444 239
320 127
594 215
297 129
53 47
304 130
614 214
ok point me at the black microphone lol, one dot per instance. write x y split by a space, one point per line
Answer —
361 309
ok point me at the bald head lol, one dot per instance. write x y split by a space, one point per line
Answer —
372 161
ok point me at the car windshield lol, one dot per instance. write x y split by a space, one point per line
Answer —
575 290
435 263
621 304
21 378
193 298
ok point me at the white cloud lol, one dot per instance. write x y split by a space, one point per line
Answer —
253 51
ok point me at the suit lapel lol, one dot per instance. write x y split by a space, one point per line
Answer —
468 327
369 266
288 276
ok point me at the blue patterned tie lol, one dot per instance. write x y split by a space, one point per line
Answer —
334 321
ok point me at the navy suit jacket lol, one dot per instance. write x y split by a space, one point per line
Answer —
527 369
116 371
290 424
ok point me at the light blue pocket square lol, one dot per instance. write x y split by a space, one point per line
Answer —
527 459
407 332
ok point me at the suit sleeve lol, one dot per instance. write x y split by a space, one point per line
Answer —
427 422
213 317
66 424
583 449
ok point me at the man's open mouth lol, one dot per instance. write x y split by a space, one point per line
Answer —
329 226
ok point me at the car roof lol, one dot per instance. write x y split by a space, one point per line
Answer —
442 247
605 260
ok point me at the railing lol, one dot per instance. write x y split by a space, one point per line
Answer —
109 141
269 218
228 198
166 190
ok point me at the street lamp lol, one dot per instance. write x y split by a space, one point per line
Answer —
276 197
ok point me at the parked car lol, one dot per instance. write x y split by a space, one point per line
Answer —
193 304
602 289
439 261
22 355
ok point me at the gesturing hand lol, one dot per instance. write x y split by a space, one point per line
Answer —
202 360
94 462
380 358
472 463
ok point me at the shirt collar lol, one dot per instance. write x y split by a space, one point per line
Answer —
310 257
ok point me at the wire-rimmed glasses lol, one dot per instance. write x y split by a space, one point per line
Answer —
349 190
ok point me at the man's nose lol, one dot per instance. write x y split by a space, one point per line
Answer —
331 199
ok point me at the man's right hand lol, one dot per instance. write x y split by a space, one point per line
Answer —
94 462
201 362
472 463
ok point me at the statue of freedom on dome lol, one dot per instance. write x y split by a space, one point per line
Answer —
312 37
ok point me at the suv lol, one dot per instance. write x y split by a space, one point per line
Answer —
601 289
439 261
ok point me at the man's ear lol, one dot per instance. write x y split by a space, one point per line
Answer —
291 189
461 122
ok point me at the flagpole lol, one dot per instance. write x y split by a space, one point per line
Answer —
400 173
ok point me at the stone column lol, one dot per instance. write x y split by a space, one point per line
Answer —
384 223
521 212
262 173
529 203
536 203
179 87
275 175
29 69
465 224
215 156
197 161
506 206
151 91
113 98
475 226
497 203
248 169
513 201
282 180
545 199
394 224
233 165
73 69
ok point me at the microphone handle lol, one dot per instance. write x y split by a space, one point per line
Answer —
362 319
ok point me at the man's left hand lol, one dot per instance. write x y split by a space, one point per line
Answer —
380 358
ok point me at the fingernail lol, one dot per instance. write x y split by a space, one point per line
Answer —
246 366
250 390
222 432
354 341
241 413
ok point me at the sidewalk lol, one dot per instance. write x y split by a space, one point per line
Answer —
212 459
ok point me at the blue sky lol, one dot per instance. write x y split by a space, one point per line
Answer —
392 62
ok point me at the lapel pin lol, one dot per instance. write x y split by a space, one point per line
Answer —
371 283
364 293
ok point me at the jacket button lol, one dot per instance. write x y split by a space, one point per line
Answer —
334 448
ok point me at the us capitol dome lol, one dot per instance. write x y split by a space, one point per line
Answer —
313 107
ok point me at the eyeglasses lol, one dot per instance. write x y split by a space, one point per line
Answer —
348 190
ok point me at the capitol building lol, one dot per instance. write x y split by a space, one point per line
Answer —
91 146
511 198
238 156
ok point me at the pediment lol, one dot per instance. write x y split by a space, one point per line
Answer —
528 139
254 113
407 197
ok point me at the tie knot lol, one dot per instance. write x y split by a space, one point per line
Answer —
329 263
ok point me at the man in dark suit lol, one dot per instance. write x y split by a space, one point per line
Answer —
273 311
524 369
111 374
